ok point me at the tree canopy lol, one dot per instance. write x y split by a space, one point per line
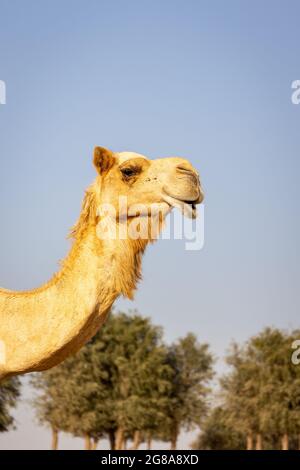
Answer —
126 384
9 393
260 395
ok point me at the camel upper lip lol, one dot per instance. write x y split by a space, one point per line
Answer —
192 202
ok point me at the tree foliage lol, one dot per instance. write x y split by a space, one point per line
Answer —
126 384
191 363
218 434
9 393
261 393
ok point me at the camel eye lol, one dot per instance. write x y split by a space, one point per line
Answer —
129 172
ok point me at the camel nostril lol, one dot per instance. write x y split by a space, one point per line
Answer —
185 169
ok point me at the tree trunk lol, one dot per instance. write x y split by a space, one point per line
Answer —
149 442
249 445
285 442
112 440
299 442
174 437
87 442
258 445
136 440
120 439
54 439
94 443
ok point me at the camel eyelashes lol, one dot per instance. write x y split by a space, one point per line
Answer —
130 171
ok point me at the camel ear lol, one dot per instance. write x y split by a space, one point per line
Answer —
104 159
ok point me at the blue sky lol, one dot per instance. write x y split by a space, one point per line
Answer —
207 80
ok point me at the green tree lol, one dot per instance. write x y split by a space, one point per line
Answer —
240 389
191 364
261 392
51 403
9 393
217 434
280 387
115 386
140 376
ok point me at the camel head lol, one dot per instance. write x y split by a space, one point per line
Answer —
163 183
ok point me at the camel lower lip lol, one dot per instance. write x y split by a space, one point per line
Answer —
188 208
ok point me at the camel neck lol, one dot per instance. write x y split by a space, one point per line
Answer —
41 328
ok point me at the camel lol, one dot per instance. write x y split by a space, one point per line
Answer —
41 327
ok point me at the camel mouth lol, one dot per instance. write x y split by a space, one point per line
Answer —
188 208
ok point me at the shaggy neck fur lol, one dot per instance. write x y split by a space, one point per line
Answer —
40 328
